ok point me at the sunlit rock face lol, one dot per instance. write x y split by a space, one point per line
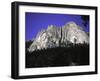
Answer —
40 41
59 36
74 33
46 39
54 36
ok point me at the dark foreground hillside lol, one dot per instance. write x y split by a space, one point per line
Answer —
61 56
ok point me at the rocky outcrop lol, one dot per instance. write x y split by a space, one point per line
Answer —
75 34
59 36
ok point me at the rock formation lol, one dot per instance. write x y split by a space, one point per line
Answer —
59 36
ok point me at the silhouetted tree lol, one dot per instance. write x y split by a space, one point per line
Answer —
59 56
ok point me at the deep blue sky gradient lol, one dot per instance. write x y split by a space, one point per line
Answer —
35 22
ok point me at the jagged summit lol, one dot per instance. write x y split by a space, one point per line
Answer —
59 36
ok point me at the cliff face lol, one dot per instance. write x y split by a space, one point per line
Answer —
75 34
55 37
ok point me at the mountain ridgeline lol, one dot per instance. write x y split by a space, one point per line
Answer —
58 46
59 37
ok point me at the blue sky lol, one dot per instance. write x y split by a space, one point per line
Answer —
34 22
